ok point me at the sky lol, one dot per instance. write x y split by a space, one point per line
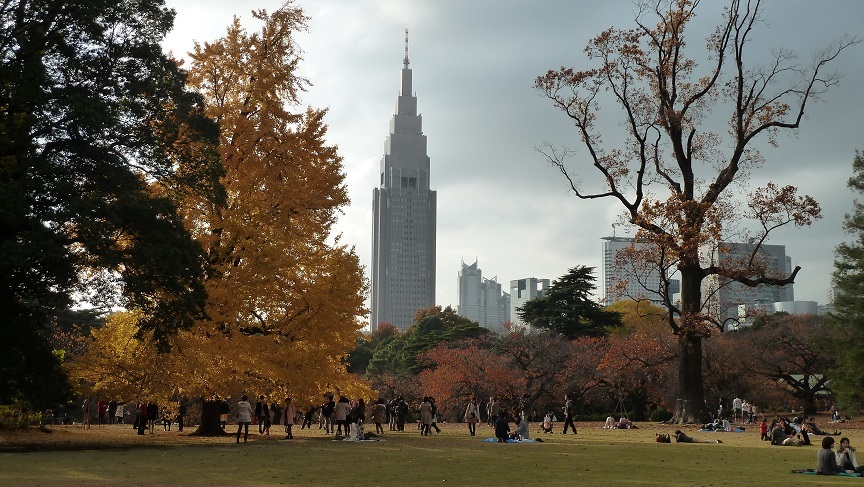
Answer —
474 65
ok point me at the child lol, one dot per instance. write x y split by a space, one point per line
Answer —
547 423
763 429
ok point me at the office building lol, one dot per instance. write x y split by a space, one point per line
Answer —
404 218
481 299
631 280
728 299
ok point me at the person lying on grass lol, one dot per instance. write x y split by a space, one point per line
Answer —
680 437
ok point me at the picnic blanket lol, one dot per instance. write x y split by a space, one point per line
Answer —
811 471
531 440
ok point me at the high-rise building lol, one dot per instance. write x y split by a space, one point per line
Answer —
404 217
522 291
469 285
729 299
480 299
642 282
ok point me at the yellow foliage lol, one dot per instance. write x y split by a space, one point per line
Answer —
285 298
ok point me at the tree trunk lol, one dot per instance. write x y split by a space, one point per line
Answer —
690 406
809 400
210 425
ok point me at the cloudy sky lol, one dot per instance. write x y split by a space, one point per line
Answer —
474 63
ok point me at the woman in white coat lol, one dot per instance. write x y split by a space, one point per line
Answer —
472 415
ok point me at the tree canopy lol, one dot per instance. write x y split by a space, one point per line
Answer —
93 122
401 354
567 307
284 296
674 174
848 315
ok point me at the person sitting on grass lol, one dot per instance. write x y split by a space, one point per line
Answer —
778 435
502 428
521 432
846 457
826 460
610 423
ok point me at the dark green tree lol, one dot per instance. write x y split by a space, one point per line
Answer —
359 358
98 138
431 327
848 380
567 307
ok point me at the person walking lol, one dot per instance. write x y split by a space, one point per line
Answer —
152 415
224 411
425 417
289 412
141 417
181 413
112 410
379 416
262 413
494 410
401 414
328 412
85 409
118 413
568 415
472 415
244 417
342 410
434 416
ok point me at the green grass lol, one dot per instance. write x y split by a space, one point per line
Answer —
114 456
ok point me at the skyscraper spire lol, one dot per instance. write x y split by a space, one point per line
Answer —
405 61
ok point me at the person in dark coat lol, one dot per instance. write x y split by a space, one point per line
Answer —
502 428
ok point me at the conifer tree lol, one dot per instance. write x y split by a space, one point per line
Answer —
848 381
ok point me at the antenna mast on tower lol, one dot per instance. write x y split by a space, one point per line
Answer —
405 61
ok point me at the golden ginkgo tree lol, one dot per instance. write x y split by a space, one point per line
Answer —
285 296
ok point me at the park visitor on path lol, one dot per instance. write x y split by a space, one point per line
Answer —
472 415
568 415
244 417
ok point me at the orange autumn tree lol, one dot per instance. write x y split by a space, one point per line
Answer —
638 366
454 371
285 295
673 174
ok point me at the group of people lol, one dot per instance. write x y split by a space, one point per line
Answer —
829 462
794 432
147 415
264 414
740 411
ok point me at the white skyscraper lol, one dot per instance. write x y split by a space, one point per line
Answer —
404 218
522 291
644 283
470 291
480 299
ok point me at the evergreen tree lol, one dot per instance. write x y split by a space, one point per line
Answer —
848 276
96 138
567 307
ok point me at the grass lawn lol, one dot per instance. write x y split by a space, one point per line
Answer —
116 456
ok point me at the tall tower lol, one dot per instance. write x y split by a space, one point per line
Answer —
404 215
